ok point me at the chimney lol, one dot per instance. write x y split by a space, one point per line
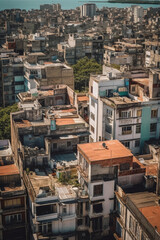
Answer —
158 175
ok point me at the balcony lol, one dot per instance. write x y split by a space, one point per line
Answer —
47 217
127 132
14 209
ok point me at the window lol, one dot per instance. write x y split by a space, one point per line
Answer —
131 224
109 129
91 89
124 166
153 127
12 219
98 190
126 144
40 228
87 206
5 70
47 227
138 128
154 113
126 130
133 88
79 222
97 223
123 114
6 88
64 209
12 203
139 113
92 103
87 221
137 143
109 113
55 145
92 116
97 208
92 129
81 139
68 144
137 231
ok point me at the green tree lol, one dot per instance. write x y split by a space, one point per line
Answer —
5 129
82 70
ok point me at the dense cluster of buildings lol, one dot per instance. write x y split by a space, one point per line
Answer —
80 166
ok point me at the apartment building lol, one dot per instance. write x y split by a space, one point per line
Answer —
88 10
117 112
11 78
52 207
138 13
99 86
138 215
47 73
134 50
152 54
13 210
78 47
101 165
47 123
114 55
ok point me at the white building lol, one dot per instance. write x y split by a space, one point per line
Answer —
101 86
124 110
52 208
100 166
137 13
88 10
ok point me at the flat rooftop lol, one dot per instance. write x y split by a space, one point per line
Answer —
115 101
5 148
110 154
83 99
146 202
143 199
152 214
69 121
66 193
7 170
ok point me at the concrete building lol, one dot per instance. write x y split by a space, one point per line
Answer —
138 215
78 47
11 78
137 13
88 10
47 73
114 55
119 112
152 54
52 207
100 166
13 215
47 123
56 7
